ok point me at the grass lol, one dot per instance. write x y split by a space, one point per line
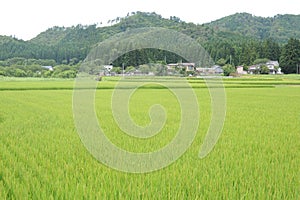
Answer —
256 157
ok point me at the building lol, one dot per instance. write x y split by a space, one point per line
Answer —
216 69
50 68
273 67
108 67
240 70
253 69
188 67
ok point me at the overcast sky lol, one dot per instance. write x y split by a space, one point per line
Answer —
25 19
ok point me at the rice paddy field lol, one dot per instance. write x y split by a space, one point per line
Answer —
256 157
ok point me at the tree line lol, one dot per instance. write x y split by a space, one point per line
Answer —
46 68
223 53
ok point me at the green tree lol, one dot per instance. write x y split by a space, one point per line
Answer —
290 56
2 72
68 74
264 69
221 62
117 70
130 69
271 49
19 73
228 69
261 61
47 74
145 69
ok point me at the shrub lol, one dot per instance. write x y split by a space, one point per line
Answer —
264 69
228 69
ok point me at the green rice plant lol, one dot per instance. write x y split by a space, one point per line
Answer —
256 157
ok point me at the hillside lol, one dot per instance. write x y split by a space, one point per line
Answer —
92 33
56 35
237 26
234 35
51 36
279 27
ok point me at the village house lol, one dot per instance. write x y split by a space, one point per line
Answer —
273 67
216 69
188 67
50 68
240 70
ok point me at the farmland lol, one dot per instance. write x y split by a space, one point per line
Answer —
256 157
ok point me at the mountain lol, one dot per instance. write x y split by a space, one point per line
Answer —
61 43
11 47
56 35
52 36
279 27
227 36
239 25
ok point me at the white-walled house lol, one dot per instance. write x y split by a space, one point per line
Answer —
108 67
240 70
273 66
50 68
216 69
189 67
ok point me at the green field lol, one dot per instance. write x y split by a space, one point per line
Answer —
256 157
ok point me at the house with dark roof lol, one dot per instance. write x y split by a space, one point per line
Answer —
273 67
216 69
188 67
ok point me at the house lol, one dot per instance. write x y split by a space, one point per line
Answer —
273 67
202 70
50 68
240 70
216 69
172 68
279 71
188 67
106 71
108 67
253 69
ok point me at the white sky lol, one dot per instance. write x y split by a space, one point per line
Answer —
27 18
